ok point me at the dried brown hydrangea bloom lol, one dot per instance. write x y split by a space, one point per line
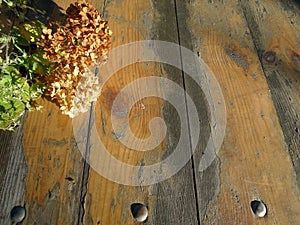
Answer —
73 48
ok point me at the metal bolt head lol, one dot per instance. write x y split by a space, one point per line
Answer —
139 212
258 208
17 214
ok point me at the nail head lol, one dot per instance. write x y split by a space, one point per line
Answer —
139 212
17 214
258 208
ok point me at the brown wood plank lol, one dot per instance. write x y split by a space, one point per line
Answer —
55 166
42 167
169 202
253 162
275 28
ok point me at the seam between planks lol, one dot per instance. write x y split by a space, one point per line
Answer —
188 117
86 167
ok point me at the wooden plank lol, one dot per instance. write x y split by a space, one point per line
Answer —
13 170
172 201
253 162
275 27
43 167
55 166
176 197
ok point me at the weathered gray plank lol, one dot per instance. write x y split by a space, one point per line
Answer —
13 169
253 136
176 197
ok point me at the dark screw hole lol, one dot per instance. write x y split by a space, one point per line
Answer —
69 179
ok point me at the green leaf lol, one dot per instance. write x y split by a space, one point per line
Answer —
11 70
10 3
35 65
6 80
22 67
18 39
25 95
19 106
36 90
40 64
30 31
22 41
5 105
4 117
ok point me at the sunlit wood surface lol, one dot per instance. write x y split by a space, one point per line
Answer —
251 46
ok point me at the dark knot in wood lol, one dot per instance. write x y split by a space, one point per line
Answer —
269 57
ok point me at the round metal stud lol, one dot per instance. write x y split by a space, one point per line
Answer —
139 212
17 214
258 208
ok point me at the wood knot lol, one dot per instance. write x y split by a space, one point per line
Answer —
296 59
269 57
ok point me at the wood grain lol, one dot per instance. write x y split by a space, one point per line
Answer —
171 201
176 197
275 28
13 168
254 161
252 48
55 167
35 162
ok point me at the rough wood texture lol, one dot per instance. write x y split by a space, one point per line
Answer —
171 201
13 169
176 198
254 159
42 168
275 29
250 46
55 167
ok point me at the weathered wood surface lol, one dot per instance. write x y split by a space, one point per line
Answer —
254 159
251 47
13 171
107 202
276 34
